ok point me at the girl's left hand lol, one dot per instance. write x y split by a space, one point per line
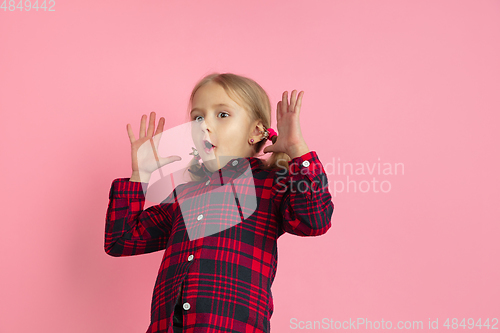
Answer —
290 140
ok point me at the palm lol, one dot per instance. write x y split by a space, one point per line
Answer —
145 158
288 123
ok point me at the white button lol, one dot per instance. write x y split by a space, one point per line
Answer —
190 257
208 182
235 162
306 163
200 217
186 306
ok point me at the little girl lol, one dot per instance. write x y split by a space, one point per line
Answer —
221 282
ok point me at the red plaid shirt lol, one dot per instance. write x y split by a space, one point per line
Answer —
224 254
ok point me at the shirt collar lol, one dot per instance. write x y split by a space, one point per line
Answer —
235 166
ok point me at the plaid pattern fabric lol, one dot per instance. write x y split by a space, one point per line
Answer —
227 273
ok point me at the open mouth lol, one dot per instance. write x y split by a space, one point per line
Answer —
208 146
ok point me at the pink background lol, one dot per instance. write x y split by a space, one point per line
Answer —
412 82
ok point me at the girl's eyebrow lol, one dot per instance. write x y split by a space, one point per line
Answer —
213 106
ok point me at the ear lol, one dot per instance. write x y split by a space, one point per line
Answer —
256 131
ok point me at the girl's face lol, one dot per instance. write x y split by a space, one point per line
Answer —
219 121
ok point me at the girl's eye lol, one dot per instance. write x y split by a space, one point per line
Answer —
224 113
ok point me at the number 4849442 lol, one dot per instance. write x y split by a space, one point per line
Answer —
27 6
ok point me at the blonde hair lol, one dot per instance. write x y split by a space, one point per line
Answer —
254 99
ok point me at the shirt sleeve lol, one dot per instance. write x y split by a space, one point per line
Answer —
129 229
306 206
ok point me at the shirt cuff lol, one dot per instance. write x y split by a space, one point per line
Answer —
307 164
124 188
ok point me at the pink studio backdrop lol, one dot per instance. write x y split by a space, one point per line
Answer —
408 86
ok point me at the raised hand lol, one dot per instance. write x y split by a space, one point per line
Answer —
290 140
145 158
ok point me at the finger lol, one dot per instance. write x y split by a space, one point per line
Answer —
159 129
169 159
278 111
151 126
142 130
130 133
268 149
293 100
284 102
299 102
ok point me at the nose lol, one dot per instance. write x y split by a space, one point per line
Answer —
205 126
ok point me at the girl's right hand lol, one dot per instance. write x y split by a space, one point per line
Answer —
144 162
